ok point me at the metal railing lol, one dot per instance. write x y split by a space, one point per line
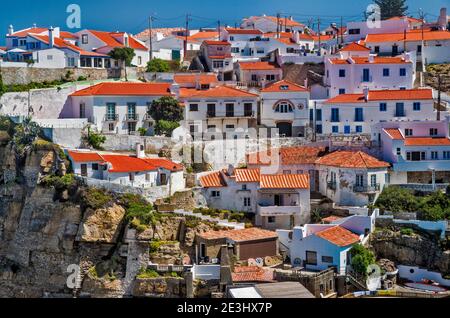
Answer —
131 117
111 118
367 188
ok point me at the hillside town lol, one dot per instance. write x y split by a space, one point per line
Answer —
267 159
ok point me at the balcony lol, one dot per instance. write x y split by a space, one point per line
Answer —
278 210
131 117
112 118
332 185
246 114
367 188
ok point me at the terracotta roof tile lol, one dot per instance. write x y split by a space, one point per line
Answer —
247 175
352 159
251 66
164 163
85 156
216 43
331 219
213 180
285 21
125 89
126 164
394 133
410 36
427 141
215 92
285 181
26 32
203 78
284 86
352 47
243 31
245 235
383 95
339 236
289 156
252 274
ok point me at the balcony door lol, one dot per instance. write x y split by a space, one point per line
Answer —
366 75
110 111
230 110
211 110
131 113
278 200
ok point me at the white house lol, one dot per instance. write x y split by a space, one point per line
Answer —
318 247
257 74
135 171
218 58
357 114
351 178
284 105
273 24
118 108
218 109
418 151
104 42
351 74
358 30
278 201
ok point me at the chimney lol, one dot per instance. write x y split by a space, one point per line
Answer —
306 82
407 57
371 58
296 37
10 29
442 20
51 37
34 25
366 93
140 151
230 170
175 89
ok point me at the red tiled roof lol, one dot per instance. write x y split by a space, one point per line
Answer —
243 31
245 235
214 92
85 156
410 19
354 47
338 236
331 219
285 181
26 32
111 40
282 35
213 180
204 35
62 44
365 60
125 89
164 163
394 133
284 21
247 175
286 41
352 159
203 78
290 156
277 87
252 274
322 37
125 164
427 141
410 36
220 57
164 31
382 95
67 35
216 43
251 66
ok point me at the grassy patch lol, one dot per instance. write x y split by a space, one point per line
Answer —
156 245
148 273
59 183
407 231
97 198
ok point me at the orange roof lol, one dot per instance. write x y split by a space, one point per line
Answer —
354 47
252 274
244 235
125 89
204 35
284 21
203 78
282 35
286 41
243 31
365 60
125 164
252 66
427 141
352 159
394 133
284 86
216 43
331 219
247 175
111 39
164 163
410 36
215 92
410 19
290 156
213 180
322 37
67 35
62 44
85 156
285 181
26 32
338 236
382 95
220 57
164 31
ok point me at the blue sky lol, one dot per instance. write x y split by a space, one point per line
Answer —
131 15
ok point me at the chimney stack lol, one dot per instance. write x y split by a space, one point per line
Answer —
296 37
371 58
140 151
442 20
51 37
10 29
366 93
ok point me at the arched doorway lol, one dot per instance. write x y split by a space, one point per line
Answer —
285 129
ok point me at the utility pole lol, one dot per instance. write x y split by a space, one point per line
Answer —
341 31
285 23
318 32
186 36
218 28
278 25
150 36
439 98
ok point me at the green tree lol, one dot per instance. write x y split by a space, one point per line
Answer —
166 108
392 8
95 140
125 55
361 258
158 65
435 207
396 199
165 128
25 134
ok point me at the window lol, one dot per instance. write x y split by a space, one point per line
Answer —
82 110
271 219
215 194
373 180
319 129
446 155
217 64
193 107
383 107
244 187
434 155
230 110
247 202
354 31
318 114
327 259
400 110
131 177
85 39
131 111
359 114
341 91
359 180
311 258
399 151
270 77
147 177
284 107
366 75
335 115
416 106
95 166
234 50
71 61
403 72
408 132
50 57
287 172
131 127
341 73
260 51
433 132
419 49
415 156
231 38
111 127
299 171
376 49
359 129
335 129
229 126
386 72
110 111
139 60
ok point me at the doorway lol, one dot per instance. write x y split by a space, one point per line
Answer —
285 129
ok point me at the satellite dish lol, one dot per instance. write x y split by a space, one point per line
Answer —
259 262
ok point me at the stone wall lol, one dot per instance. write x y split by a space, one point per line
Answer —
26 75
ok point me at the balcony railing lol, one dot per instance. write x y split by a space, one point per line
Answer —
111 118
367 188
278 210
332 185
131 117
250 114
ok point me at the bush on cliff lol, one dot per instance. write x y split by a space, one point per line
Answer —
97 198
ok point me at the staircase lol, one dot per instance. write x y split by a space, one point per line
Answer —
356 282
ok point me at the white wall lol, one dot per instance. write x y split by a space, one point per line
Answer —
418 274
